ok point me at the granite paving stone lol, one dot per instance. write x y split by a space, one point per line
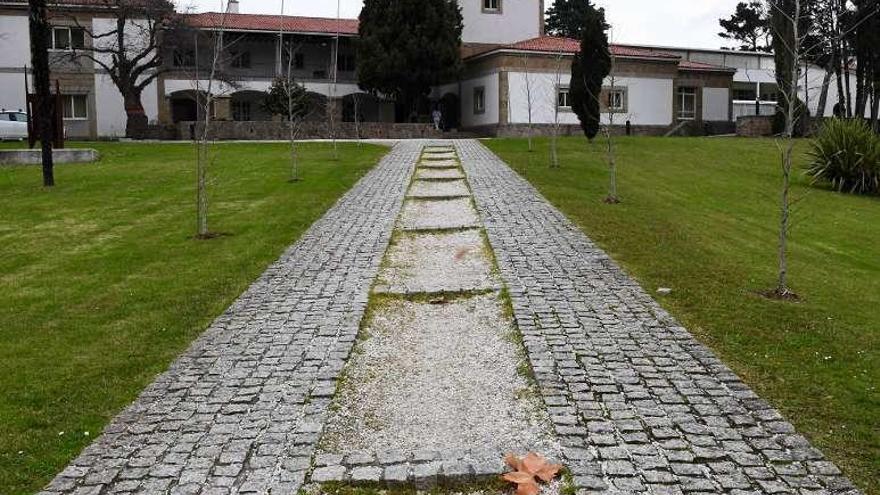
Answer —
244 406
640 405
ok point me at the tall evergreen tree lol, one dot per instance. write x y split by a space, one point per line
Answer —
590 67
407 46
749 25
567 18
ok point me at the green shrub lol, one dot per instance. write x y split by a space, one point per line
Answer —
846 154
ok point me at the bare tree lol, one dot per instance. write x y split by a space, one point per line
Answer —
554 133
40 34
130 50
524 61
788 36
206 99
611 107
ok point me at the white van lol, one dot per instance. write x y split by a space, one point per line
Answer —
13 125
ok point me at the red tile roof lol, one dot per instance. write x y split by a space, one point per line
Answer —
556 44
274 23
700 67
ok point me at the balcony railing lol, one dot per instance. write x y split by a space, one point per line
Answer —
744 108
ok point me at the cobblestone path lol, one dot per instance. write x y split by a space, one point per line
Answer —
242 409
638 404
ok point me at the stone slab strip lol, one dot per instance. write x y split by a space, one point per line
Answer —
242 409
639 404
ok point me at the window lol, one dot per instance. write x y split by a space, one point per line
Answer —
5 117
76 107
687 103
68 38
479 100
241 111
241 60
345 63
18 116
616 100
492 6
563 98
299 60
184 58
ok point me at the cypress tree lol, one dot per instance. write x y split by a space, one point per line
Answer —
407 46
566 18
590 67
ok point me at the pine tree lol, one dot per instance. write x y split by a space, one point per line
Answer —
566 18
590 67
407 46
749 25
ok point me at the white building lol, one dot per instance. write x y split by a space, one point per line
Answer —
510 74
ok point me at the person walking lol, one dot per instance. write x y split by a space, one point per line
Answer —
437 115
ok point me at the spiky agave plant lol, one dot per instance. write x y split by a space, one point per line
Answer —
846 154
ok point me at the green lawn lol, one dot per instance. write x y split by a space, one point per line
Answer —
103 284
699 216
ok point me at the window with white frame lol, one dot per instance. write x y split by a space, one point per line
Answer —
563 97
615 100
479 100
68 38
687 103
492 6
76 107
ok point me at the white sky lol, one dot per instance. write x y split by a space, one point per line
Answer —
692 23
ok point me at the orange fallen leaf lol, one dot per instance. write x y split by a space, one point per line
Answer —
513 461
548 472
519 477
461 253
530 488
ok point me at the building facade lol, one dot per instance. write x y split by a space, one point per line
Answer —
514 75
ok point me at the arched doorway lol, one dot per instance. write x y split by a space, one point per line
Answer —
450 106
247 106
184 106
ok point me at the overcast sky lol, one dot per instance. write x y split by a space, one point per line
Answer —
692 23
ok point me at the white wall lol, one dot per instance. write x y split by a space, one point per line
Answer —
518 20
14 41
716 104
649 100
14 56
110 106
491 115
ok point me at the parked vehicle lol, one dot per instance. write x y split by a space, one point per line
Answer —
13 125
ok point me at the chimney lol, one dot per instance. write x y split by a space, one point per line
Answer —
232 7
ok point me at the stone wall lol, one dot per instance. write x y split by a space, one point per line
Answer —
754 126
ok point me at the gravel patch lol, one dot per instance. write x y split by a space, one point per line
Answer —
456 213
443 262
438 189
439 173
439 164
439 377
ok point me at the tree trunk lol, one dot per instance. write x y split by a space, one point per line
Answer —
40 34
136 118
823 94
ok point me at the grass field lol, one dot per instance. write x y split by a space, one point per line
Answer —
700 216
103 284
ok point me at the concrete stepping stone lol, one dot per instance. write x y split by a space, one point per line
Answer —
439 164
438 189
430 150
441 262
442 214
439 156
439 174
438 377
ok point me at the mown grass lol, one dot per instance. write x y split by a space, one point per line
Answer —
700 216
103 284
